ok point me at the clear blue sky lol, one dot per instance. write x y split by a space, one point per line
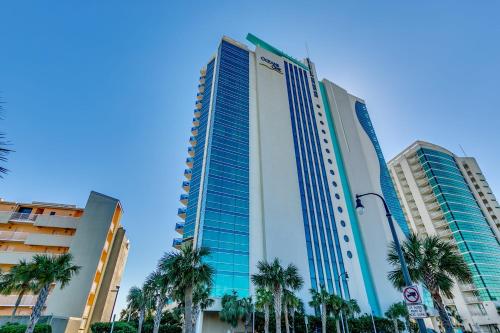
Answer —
99 94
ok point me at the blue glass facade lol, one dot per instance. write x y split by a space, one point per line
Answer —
196 171
471 231
224 215
385 179
322 240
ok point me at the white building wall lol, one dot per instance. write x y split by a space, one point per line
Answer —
281 205
363 173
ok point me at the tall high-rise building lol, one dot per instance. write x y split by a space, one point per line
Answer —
446 195
95 238
276 159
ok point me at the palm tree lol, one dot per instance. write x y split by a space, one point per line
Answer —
248 307
186 269
350 309
232 310
396 311
433 263
293 282
139 302
201 301
276 278
321 299
20 279
158 287
293 304
49 270
336 306
264 300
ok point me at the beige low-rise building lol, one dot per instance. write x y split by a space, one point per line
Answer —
95 238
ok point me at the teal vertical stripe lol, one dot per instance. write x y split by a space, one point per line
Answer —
365 269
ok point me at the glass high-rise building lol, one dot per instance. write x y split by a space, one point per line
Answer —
446 195
275 161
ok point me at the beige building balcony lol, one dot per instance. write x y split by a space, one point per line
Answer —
48 240
10 300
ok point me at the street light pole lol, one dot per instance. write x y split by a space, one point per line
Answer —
402 261
114 302
346 327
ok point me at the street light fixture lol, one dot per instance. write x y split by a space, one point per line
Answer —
406 274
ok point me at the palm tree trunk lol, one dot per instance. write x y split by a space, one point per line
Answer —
266 318
337 326
323 318
196 313
395 321
18 301
141 320
277 308
159 311
188 309
292 313
445 319
37 309
287 324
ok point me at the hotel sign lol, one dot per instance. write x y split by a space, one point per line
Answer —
270 64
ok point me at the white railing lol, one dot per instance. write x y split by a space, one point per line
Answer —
23 217
30 218
472 299
13 236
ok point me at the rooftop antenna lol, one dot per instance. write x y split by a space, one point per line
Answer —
462 149
307 50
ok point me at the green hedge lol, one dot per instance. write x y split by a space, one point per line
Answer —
18 328
120 327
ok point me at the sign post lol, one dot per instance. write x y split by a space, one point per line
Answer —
413 301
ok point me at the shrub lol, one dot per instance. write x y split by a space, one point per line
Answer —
18 328
120 327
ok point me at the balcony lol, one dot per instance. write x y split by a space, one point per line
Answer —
23 217
177 243
433 206
197 113
179 227
201 88
419 175
196 122
422 182
202 80
199 96
472 300
436 215
48 240
440 224
194 130
13 236
10 301
188 173
40 220
446 233
467 287
426 190
428 198
198 105
189 162
203 71
181 212
184 199
193 141
191 151
186 185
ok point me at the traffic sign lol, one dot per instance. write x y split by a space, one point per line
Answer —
416 311
411 295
